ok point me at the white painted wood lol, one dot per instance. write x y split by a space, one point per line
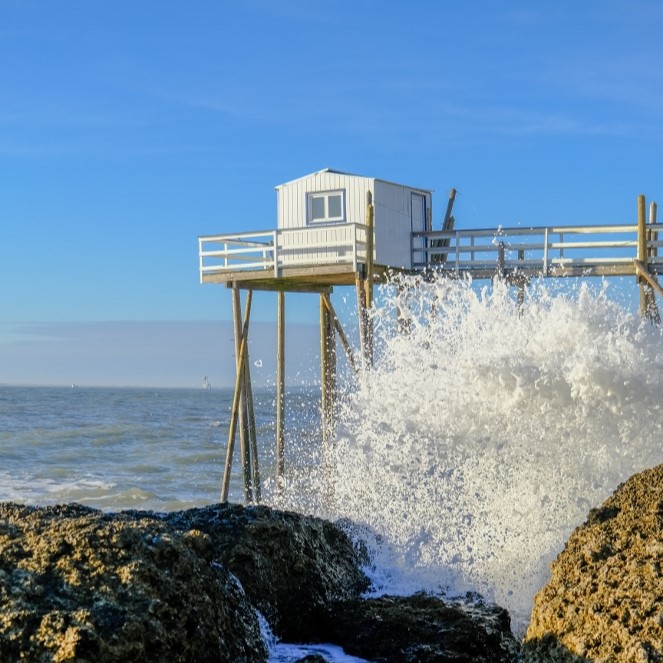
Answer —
391 201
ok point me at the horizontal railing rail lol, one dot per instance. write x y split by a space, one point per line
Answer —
534 249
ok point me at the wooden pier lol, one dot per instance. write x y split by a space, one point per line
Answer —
317 259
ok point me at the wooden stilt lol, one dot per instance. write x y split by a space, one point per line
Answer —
236 409
368 284
651 308
280 390
253 441
362 316
642 252
243 424
327 370
324 370
521 282
341 333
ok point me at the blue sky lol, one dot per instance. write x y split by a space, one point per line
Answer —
127 129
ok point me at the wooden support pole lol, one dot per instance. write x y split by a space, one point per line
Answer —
243 424
651 307
500 260
642 251
341 333
327 370
280 390
253 441
236 409
324 369
521 282
362 316
368 284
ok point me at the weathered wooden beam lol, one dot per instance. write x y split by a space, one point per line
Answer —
642 251
236 408
651 309
280 390
327 371
240 335
254 487
341 333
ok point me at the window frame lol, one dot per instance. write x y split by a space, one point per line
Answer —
325 195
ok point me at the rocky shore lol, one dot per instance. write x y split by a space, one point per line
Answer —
604 601
77 584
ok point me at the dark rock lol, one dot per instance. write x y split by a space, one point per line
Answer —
80 585
422 628
292 567
604 601
312 658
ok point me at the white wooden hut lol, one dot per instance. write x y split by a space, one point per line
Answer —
329 200
321 227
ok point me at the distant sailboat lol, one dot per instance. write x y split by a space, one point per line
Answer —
206 383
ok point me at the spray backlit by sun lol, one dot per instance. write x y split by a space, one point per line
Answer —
488 431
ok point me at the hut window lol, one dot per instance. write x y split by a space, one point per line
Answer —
326 206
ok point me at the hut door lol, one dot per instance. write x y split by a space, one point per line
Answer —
418 225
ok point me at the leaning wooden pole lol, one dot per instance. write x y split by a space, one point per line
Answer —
243 424
341 333
254 488
280 390
237 397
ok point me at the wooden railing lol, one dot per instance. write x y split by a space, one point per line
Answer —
275 250
542 251
546 251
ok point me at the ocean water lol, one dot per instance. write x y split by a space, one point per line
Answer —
482 437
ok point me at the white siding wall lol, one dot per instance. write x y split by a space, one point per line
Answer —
292 197
392 212
393 216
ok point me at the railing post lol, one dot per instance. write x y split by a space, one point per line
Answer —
275 253
457 253
355 230
545 252
652 235
200 258
642 252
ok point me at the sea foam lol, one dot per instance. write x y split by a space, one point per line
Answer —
485 433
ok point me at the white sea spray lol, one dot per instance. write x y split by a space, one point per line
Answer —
486 433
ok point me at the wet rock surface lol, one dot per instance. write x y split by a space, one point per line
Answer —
604 601
292 567
80 585
411 629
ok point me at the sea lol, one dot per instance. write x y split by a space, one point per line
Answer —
482 436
